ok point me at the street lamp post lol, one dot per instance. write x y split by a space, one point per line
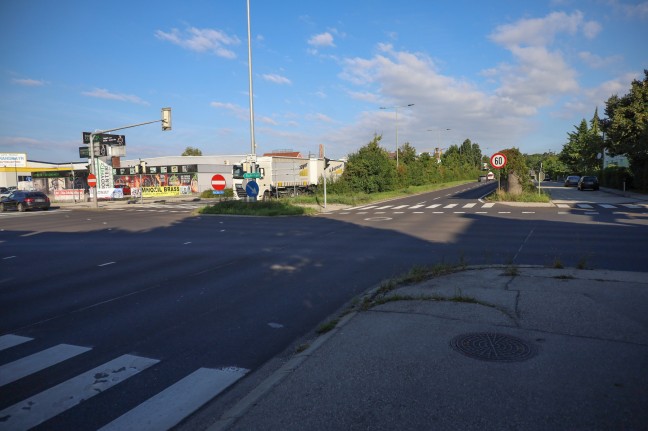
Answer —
395 108
439 139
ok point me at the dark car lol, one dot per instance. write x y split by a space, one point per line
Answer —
588 182
23 201
572 181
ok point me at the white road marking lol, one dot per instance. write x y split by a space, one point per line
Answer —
470 205
503 212
528 212
450 206
106 264
416 206
10 340
433 206
384 207
562 205
20 368
8 257
607 206
488 205
31 234
584 206
43 406
399 207
166 409
631 206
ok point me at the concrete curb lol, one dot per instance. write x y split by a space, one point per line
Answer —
230 417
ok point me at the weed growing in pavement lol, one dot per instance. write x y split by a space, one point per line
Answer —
582 263
512 271
564 277
326 327
302 347
558 264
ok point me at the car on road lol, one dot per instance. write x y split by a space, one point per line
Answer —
572 181
588 182
24 200
547 178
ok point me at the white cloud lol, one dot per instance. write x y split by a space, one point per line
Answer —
542 31
238 111
201 40
29 82
365 96
323 39
320 117
268 120
596 62
102 93
277 79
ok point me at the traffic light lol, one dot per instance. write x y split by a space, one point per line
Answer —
166 119
327 163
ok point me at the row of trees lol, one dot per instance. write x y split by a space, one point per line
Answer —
373 169
624 132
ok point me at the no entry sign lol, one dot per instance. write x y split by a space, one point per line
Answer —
498 160
218 182
92 180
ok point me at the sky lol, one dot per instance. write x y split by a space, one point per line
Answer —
502 73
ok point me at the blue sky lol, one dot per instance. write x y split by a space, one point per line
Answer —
503 73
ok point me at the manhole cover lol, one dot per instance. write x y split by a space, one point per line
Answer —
493 347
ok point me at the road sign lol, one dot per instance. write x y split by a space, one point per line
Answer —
92 180
252 189
104 138
498 160
218 182
252 175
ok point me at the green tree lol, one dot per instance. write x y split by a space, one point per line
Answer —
516 171
626 128
370 170
191 151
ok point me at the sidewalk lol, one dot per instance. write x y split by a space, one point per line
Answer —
487 348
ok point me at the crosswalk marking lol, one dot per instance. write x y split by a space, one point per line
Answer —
631 206
38 361
450 206
416 206
11 340
470 205
562 205
488 205
384 207
433 206
607 206
43 406
400 206
169 407
584 206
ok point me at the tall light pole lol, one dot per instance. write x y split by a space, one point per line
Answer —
395 108
252 139
439 130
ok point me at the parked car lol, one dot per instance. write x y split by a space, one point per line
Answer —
572 181
23 201
547 178
4 191
588 182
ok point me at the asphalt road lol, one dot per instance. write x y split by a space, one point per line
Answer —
206 300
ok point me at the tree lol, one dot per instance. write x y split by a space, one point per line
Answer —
191 151
626 128
371 169
516 171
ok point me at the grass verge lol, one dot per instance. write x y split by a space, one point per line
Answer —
262 208
532 196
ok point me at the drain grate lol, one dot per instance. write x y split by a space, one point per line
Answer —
487 346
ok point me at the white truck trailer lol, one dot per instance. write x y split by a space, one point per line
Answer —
278 176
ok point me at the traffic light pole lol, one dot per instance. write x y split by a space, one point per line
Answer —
166 125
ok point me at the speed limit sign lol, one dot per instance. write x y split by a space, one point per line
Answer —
498 160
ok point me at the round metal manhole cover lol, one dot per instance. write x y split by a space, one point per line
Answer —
487 346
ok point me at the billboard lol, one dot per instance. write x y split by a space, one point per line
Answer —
11 160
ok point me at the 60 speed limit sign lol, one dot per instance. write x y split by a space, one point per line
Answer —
498 160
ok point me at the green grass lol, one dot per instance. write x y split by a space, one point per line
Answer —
261 208
532 196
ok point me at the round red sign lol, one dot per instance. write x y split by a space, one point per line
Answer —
218 182
92 180
498 160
